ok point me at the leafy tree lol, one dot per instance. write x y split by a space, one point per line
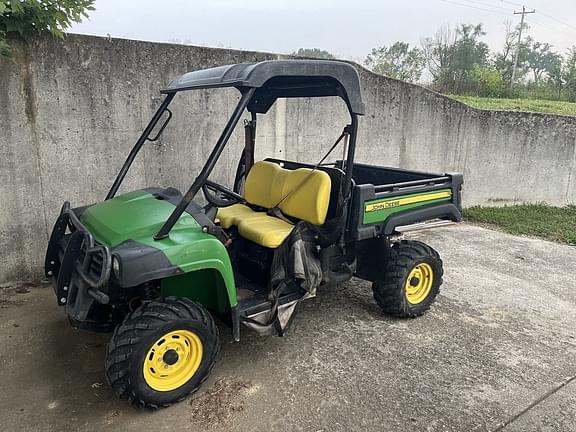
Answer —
556 79
437 52
541 59
314 53
570 74
29 17
468 49
397 61
504 60
451 55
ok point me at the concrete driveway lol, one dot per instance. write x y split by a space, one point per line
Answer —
497 352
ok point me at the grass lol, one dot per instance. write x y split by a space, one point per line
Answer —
537 220
530 105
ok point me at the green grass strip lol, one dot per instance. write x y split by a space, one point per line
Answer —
525 105
537 220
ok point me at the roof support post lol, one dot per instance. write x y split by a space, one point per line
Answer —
136 149
353 131
208 166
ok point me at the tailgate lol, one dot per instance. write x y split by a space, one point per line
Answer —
379 210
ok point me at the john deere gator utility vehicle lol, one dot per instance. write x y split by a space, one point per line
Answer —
156 266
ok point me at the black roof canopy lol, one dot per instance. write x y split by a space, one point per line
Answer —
275 79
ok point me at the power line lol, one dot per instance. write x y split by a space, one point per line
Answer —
541 13
557 20
494 7
547 27
496 10
488 4
512 3
473 7
543 25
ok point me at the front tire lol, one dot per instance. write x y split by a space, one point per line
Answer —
411 281
162 352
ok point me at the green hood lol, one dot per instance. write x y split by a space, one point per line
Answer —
135 215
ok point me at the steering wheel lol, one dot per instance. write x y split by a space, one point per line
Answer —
220 196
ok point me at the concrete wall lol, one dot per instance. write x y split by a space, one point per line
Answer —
70 111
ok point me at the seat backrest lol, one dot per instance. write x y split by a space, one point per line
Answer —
308 195
307 192
264 184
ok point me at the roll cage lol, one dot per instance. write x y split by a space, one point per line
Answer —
260 85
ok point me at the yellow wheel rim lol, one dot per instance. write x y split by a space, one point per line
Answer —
419 283
173 360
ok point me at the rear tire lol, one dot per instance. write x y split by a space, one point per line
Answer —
162 352
412 279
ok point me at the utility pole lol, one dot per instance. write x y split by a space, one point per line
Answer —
524 12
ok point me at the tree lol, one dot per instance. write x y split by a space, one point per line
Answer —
451 55
556 79
437 52
468 52
397 61
314 53
541 59
570 74
504 60
28 17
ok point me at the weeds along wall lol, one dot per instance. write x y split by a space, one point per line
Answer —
71 110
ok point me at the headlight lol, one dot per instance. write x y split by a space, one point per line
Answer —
116 267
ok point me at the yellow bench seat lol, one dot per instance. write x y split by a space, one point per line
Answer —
302 194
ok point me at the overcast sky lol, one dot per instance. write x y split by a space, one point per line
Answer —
347 28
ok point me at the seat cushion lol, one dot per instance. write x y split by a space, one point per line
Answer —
267 231
233 214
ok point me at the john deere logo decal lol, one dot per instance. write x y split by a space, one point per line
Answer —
382 205
410 199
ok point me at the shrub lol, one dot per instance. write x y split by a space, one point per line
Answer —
486 81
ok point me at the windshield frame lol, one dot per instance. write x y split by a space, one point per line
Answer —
244 102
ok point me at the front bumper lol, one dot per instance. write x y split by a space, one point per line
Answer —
78 266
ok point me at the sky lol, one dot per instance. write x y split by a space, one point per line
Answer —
347 28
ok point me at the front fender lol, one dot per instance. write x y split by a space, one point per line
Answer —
141 262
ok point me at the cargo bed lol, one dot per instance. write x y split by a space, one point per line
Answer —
387 200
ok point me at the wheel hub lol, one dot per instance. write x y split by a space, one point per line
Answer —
173 360
419 283
170 357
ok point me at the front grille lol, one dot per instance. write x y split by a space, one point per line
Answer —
95 265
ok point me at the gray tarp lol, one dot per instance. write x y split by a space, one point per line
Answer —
295 261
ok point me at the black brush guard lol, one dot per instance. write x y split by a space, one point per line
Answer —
78 266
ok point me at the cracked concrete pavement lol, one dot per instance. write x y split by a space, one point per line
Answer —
497 352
